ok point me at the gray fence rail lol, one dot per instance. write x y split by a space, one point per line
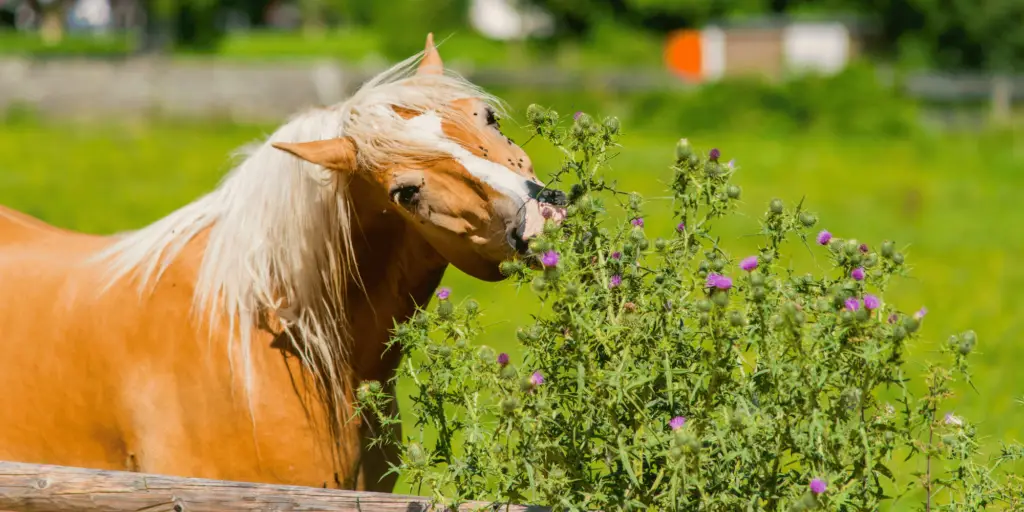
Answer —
259 91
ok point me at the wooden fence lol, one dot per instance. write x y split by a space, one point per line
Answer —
45 488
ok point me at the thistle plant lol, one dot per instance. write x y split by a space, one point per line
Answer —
665 372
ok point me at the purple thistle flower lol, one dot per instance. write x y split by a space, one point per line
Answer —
677 422
637 222
549 259
864 248
444 293
920 313
503 359
681 227
714 154
615 281
616 255
893 318
749 263
871 302
824 237
852 304
952 419
732 163
719 281
537 379
577 115
857 274
818 486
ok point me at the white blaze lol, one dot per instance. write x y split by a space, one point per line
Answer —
498 176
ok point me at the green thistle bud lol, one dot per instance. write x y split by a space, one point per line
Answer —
659 279
757 278
539 284
835 245
675 453
704 305
612 125
683 150
445 309
636 234
871 260
556 473
416 454
508 372
525 384
911 324
967 341
733 191
703 266
660 244
718 264
850 398
862 315
629 248
897 258
775 206
552 273
736 319
766 257
888 249
363 393
704 318
472 306
420 320
485 354
693 160
720 298
535 114
522 335
846 316
808 219
899 333
510 404
758 294
851 247
572 290
643 244
374 386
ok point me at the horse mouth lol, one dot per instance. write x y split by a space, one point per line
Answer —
533 215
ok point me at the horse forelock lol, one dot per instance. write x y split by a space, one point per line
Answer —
279 229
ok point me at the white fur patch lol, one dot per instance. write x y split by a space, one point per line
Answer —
498 176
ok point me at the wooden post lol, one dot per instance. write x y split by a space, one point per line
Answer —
45 488
1002 101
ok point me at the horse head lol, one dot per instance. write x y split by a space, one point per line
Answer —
447 169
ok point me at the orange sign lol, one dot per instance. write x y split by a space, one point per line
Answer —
683 54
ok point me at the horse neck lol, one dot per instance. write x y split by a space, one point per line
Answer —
398 270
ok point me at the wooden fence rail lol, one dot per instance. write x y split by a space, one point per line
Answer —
45 488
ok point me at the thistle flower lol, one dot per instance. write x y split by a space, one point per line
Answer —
549 259
615 281
818 486
871 302
714 154
952 419
920 313
536 379
719 281
732 163
444 293
824 237
677 422
637 222
857 274
616 255
681 227
893 318
577 115
749 263
864 248
502 358
852 304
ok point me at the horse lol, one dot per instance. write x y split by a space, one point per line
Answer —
227 339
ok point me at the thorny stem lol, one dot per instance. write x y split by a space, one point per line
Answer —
928 464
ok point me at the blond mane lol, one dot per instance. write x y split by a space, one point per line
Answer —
280 238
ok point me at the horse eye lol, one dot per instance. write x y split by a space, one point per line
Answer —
406 195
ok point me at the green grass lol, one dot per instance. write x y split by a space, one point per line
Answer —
954 201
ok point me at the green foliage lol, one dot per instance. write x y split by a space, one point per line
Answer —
652 381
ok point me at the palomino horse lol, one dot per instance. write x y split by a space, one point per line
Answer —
226 339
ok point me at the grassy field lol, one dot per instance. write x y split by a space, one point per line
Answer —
954 201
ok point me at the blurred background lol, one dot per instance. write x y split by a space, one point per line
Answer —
895 119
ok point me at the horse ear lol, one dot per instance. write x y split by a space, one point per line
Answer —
431 63
335 154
